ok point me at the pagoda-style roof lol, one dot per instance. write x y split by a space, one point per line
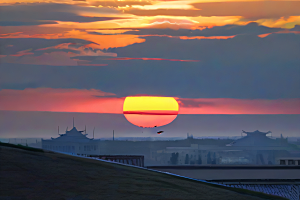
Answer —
257 138
257 132
72 135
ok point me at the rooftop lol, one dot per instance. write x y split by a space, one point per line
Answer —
258 138
73 135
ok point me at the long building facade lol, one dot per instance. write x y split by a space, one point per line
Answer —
255 148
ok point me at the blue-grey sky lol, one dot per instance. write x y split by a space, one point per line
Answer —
88 56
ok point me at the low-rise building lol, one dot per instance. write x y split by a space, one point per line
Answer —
255 148
288 161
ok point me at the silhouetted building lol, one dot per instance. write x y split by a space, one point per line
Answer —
255 148
289 161
73 141
258 139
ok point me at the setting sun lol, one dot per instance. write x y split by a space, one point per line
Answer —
148 111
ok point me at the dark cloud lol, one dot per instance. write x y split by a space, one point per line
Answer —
188 80
91 58
26 14
14 31
240 50
39 53
296 28
251 28
87 58
20 23
246 67
13 45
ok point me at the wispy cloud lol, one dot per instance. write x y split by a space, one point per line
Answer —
58 55
52 12
228 30
154 14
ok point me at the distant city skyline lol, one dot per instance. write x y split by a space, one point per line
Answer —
45 124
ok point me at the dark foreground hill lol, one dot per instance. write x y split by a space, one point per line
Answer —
46 175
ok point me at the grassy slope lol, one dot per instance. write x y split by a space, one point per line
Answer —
46 175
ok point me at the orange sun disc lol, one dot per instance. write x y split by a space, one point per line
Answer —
149 111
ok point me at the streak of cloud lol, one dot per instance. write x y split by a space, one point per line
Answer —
27 14
153 59
239 106
105 41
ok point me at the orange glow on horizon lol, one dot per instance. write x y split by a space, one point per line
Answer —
239 106
152 112
96 101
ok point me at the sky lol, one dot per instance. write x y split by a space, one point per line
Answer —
231 64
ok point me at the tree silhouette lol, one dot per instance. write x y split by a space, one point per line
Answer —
199 160
214 160
174 158
187 159
208 158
